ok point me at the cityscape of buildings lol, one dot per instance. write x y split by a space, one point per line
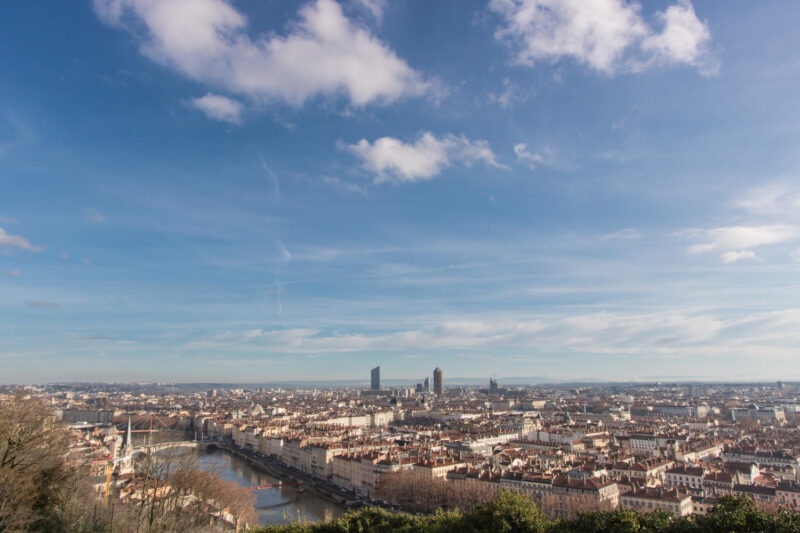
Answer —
569 448
205 200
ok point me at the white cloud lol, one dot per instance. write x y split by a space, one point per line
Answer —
684 39
739 237
733 256
595 32
322 53
219 107
391 159
532 160
735 242
16 241
606 35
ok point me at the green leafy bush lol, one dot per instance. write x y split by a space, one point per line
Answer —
512 513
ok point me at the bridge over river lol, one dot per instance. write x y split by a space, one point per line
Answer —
161 446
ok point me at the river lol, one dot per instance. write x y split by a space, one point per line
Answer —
280 505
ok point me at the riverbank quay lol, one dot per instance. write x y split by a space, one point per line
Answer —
321 488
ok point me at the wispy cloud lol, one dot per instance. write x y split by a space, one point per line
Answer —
17 133
779 199
626 234
15 241
285 257
532 159
42 304
668 334
95 216
343 185
769 215
283 252
510 94
276 184
733 256
376 8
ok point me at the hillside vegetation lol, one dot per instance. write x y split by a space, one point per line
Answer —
512 513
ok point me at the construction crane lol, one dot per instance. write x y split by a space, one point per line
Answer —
139 420
109 471
150 428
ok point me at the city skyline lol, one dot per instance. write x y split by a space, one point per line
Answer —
683 449
193 193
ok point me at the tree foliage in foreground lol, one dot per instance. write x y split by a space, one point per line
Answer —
513 513
35 482
42 491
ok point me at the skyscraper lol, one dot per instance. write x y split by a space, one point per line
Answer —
375 383
438 386
427 386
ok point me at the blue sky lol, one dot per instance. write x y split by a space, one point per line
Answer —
199 190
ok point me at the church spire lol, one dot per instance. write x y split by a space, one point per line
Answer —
129 441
